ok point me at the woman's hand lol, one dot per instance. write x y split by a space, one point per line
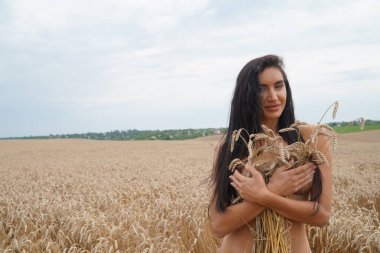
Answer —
286 181
251 188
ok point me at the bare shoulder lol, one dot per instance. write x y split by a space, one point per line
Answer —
307 130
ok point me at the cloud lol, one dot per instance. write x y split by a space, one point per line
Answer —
84 62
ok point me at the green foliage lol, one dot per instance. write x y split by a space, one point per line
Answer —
354 126
183 134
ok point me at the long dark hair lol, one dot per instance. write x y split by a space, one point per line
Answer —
246 113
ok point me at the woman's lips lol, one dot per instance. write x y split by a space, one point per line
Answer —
272 107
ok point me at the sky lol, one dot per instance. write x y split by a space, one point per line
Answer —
96 66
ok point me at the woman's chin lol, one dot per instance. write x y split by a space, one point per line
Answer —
273 117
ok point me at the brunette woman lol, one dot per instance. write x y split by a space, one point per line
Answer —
263 96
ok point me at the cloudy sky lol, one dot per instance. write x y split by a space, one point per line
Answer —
94 66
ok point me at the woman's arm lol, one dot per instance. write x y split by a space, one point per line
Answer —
309 212
233 217
256 191
283 182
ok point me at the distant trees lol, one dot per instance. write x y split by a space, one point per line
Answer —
176 134
368 122
134 134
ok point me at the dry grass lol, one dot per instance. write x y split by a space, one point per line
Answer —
354 225
100 196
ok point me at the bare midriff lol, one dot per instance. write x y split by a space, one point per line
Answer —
242 240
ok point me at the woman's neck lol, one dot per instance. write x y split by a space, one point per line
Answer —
272 124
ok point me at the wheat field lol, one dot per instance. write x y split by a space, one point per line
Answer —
148 196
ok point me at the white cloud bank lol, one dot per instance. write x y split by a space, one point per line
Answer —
87 66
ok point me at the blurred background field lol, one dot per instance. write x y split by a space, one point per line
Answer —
148 196
348 127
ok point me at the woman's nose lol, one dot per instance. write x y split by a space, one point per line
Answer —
272 95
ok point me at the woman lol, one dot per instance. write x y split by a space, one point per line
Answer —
263 96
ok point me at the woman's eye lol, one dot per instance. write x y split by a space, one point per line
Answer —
279 86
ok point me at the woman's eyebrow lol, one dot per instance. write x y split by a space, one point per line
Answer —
278 82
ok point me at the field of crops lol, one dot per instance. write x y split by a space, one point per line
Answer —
147 196
355 128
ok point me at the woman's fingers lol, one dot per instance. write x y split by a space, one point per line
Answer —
307 173
235 186
238 176
235 180
252 170
302 181
302 176
282 168
306 184
304 169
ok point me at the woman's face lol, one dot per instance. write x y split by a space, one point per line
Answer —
273 94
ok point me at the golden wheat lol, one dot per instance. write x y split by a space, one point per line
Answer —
102 196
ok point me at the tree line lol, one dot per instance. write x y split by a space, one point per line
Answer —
174 134
134 134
